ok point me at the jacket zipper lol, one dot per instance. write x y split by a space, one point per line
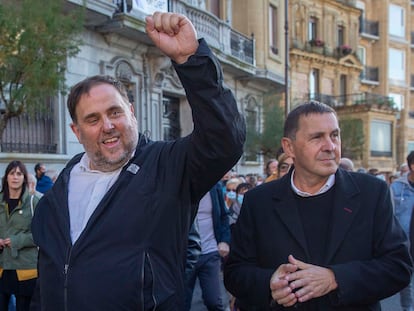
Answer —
65 273
146 256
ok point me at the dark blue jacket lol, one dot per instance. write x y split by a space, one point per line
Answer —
131 255
220 215
44 184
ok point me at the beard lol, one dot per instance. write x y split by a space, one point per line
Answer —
108 164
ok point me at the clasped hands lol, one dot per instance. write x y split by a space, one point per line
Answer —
297 281
5 243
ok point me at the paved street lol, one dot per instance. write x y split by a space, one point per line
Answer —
389 304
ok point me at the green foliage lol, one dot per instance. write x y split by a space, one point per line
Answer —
274 118
352 138
36 38
267 141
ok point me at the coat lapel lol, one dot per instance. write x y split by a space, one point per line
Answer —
345 208
287 210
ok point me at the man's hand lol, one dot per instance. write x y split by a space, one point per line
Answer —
310 281
223 249
279 286
5 243
173 34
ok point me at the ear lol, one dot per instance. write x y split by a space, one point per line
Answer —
75 130
288 147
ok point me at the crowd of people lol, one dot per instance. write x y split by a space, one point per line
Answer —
130 223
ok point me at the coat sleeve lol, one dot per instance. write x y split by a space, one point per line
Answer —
216 142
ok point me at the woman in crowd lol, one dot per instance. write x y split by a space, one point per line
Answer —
18 257
271 170
284 162
283 167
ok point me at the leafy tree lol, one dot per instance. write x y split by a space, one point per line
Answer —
266 142
274 119
352 138
36 38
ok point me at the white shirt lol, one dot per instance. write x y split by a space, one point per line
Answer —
86 189
328 185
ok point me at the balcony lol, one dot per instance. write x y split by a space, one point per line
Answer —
370 75
233 47
369 29
367 101
219 34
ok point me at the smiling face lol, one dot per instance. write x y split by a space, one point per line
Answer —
106 127
316 147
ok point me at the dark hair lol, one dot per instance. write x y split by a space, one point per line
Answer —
410 159
37 167
84 86
292 121
243 186
5 186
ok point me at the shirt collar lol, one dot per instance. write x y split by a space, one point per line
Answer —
328 185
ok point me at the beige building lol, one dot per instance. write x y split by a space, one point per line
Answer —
115 43
347 54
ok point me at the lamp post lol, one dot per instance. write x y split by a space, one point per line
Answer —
287 104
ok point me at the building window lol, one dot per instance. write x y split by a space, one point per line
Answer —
341 35
396 65
314 83
273 30
410 146
252 146
32 132
396 25
362 55
398 100
381 138
343 88
171 118
313 28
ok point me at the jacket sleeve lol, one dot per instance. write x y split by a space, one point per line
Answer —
193 248
216 142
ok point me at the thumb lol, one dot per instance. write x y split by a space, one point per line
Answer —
150 26
300 264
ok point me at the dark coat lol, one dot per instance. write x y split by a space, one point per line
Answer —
131 255
367 249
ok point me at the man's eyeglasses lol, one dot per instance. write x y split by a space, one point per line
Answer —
284 167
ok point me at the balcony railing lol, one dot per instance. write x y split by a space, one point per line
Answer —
216 32
367 99
369 27
370 74
31 133
219 34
